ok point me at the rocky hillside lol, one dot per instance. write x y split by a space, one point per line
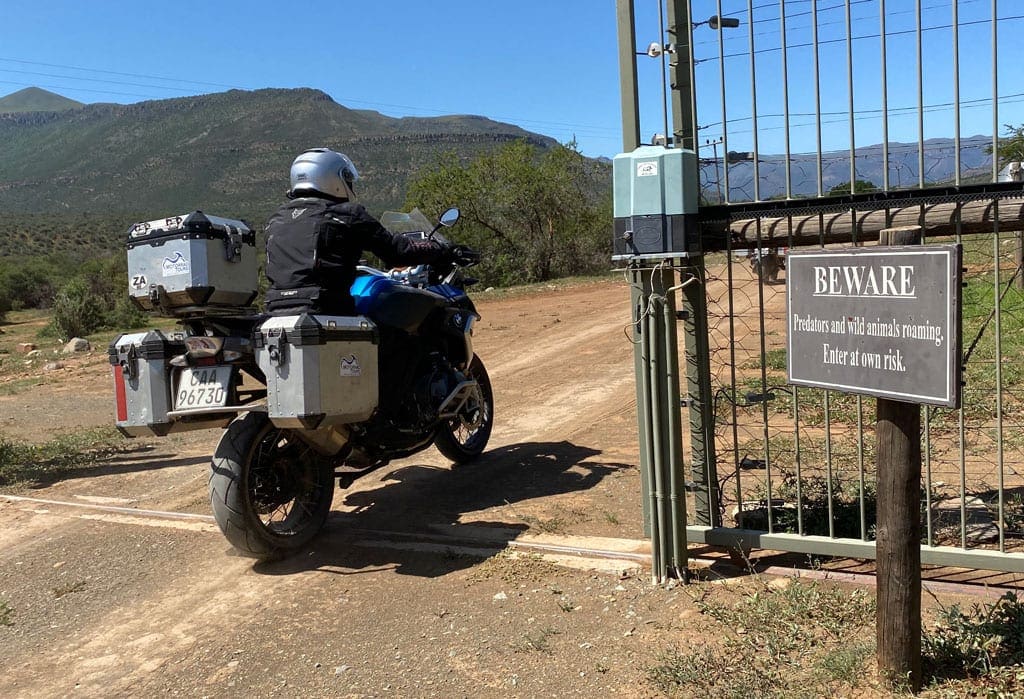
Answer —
226 153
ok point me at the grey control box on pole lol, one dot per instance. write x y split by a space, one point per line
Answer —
655 203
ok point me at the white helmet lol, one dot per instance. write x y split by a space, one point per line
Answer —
324 171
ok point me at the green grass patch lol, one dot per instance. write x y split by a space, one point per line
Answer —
980 644
22 463
6 614
13 388
793 639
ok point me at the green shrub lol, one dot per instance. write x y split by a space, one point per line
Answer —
77 311
976 642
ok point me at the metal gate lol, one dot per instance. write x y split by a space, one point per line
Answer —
821 123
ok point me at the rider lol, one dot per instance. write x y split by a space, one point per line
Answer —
315 240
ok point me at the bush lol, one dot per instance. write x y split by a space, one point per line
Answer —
96 299
976 642
76 310
31 282
5 304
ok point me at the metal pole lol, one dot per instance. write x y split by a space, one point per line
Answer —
817 90
639 294
725 118
704 466
698 356
658 434
664 80
627 75
920 99
956 89
684 109
995 100
785 98
753 99
677 496
853 130
885 99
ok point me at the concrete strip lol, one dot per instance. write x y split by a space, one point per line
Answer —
600 554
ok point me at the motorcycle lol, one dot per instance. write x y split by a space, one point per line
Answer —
307 400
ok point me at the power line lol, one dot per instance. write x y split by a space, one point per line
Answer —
585 129
114 72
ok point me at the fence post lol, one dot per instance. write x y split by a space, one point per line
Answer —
898 532
703 465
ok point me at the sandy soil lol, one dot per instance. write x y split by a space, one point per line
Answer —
121 603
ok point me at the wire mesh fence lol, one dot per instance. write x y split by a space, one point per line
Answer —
801 461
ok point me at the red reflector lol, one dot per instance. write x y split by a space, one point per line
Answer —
120 395
205 361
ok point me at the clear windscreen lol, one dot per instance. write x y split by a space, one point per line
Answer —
413 223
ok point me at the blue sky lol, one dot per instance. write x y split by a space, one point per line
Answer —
549 66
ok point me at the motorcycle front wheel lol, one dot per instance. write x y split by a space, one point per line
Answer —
464 437
270 492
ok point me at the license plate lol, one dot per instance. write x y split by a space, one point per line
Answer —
202 387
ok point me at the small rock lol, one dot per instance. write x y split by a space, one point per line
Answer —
341 669
53 366
77 344
501 596
33 354
26 347
780 583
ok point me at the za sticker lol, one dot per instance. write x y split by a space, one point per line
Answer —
178 264
350 366
139 281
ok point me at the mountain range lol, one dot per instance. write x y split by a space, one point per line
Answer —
76 175
903 166
227 152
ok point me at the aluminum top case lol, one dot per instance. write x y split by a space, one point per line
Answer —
192 264
321 370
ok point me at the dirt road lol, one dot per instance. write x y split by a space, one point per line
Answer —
114 598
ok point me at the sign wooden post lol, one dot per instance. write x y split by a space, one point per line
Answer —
885 322
898 528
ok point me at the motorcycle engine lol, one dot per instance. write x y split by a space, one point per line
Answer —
432 388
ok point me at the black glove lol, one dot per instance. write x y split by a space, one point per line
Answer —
464 256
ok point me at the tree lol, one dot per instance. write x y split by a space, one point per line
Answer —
859 187
535 215
1010 147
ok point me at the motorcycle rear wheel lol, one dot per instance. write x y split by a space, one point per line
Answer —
465 437
270 492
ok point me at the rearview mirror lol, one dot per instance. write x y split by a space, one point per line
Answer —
450 217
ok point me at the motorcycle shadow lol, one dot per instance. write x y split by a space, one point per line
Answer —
413 523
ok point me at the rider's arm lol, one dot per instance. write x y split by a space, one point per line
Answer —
394 250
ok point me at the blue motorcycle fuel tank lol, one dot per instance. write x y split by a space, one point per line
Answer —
399 305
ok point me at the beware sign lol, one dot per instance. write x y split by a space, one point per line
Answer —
882 321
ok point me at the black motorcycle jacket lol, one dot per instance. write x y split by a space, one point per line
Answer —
313 247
